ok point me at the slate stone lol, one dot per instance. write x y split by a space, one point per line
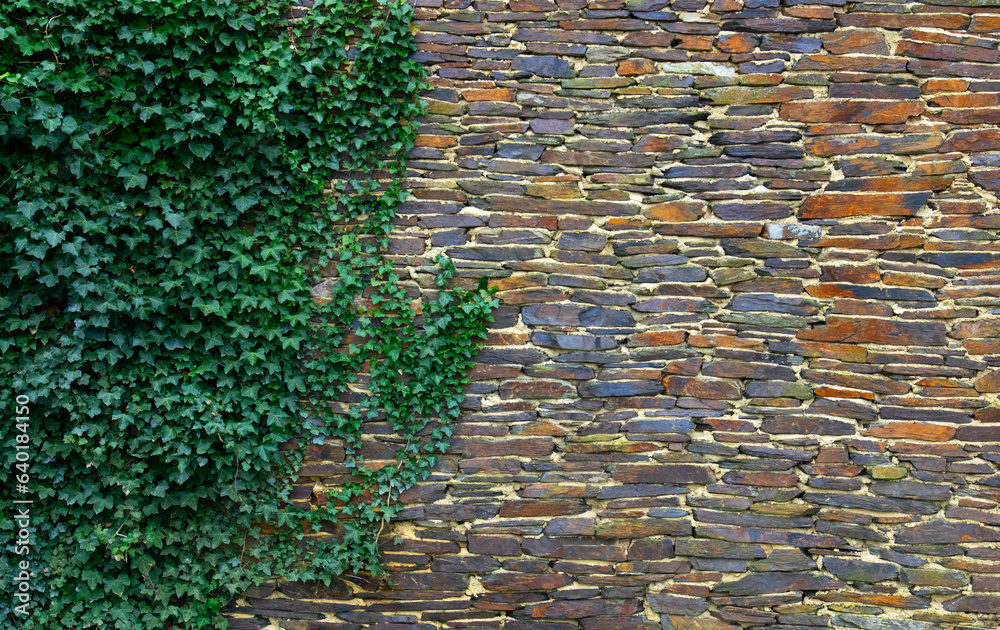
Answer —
717 549
516 151
934 577
807 425
723 565
665 425
543 66
741 369
578 609
638 490
851 111
644 119
515 356
582 241
940 531
791 43
597 389
756 520
676 604
988 604
779 389
602 316
663 473
896 557
871 330
760 248
574 342
911 490
881 622
309 589
765 151
464 564
495 253
774 304
843 409
758 136
514 582
758 584
853 570
673 274
643 527
712 389
961 260
494 545
651 548
574 548
678 622
765 536
740 211
875 504
784 560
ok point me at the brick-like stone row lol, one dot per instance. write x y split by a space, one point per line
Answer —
745 369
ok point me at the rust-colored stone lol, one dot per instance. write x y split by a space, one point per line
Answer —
676 211
633 67
497 94
835 205
877 331
856 41
665 338
870 112
701 388
911 431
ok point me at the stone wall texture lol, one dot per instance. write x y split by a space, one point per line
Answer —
745 369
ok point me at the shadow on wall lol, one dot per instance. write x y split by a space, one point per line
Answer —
744 374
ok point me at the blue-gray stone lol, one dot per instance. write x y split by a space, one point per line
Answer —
543 66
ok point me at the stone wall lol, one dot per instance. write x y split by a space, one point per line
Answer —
743 373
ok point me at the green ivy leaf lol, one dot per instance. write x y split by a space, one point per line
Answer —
132 177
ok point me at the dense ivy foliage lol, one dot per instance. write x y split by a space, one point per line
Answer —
166 207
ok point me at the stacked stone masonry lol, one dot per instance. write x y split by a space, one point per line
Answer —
745 369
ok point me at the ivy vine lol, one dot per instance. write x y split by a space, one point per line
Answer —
176 178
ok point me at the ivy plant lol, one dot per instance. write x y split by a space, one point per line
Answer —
176 178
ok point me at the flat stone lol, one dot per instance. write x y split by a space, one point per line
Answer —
874 504
881 623
758 584
663 473
743 95
934 577
852 111
543 66
582 241
717 549
911 490
853 570
643 527
835 205
514 582
940 531
713 389
677 622
676 604
599 389
760 248
579 609
878 331
988 604
779 389
784 560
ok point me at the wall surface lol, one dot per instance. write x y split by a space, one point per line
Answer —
745 369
